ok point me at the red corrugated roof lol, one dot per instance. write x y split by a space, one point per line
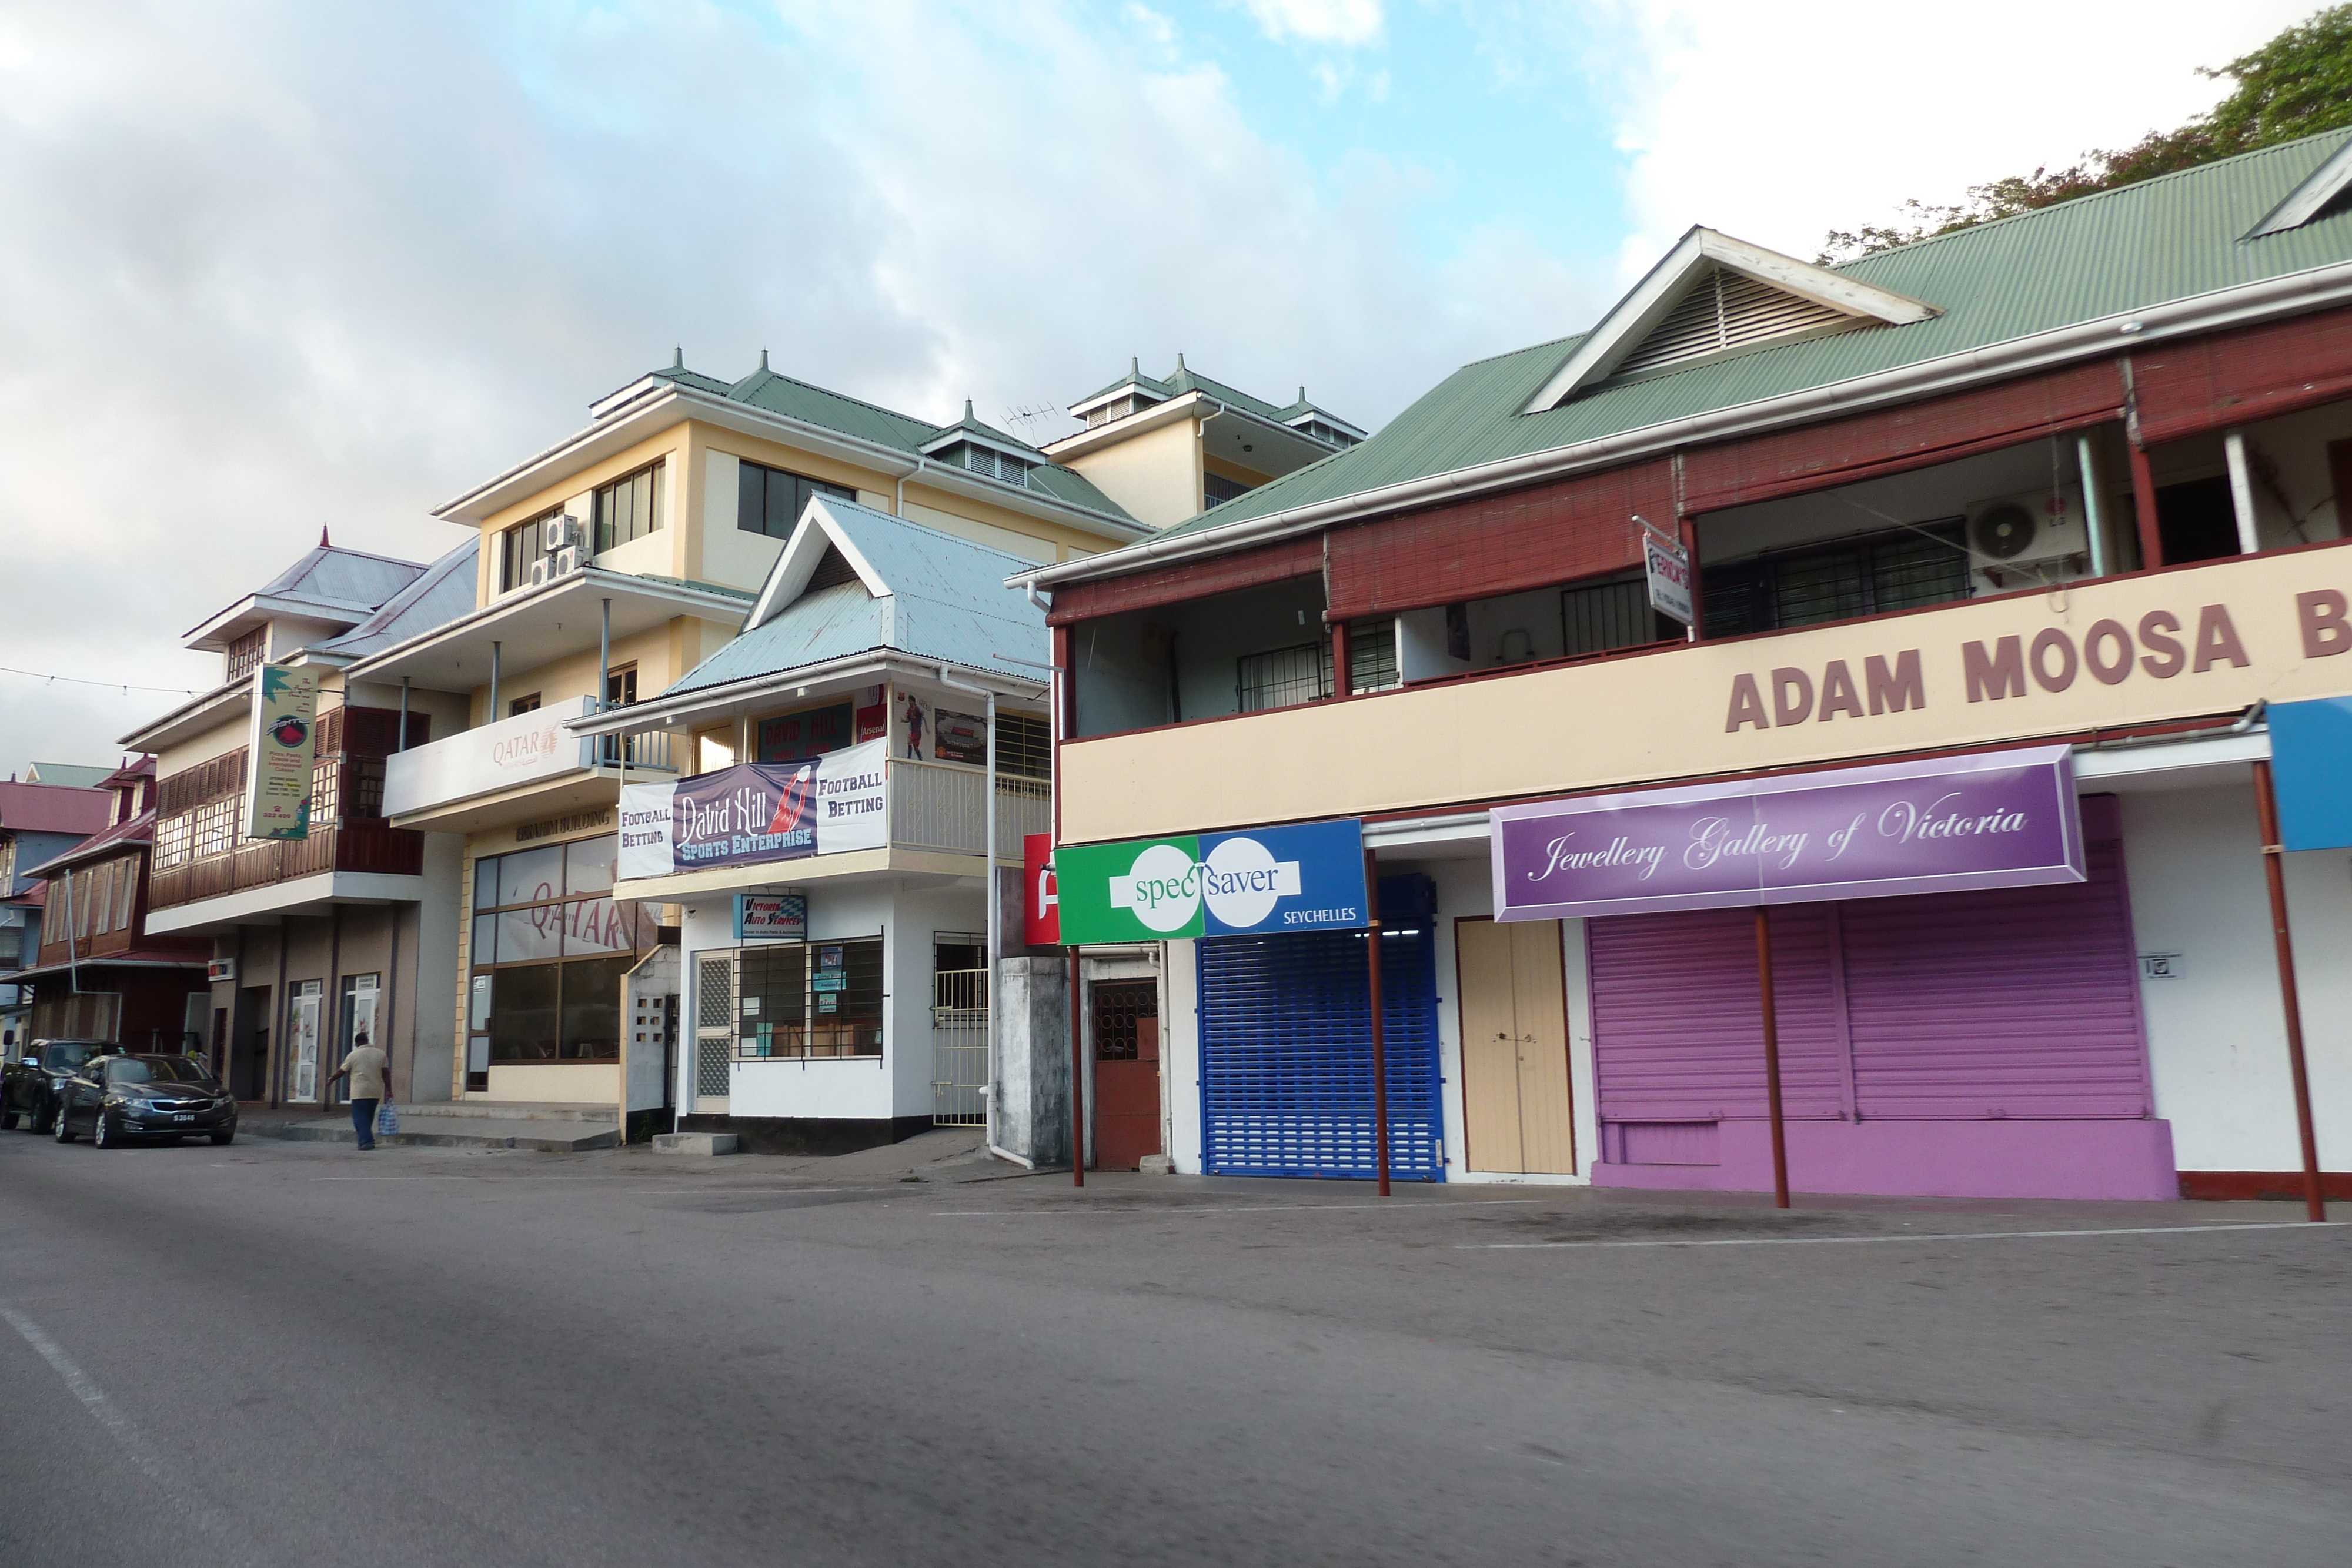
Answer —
138 829
54 807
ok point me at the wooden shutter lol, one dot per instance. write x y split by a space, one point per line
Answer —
1198 578
2230 378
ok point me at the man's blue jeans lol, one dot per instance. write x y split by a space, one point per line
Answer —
363 1121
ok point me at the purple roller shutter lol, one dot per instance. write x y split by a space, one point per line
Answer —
1679 1022
2022 1002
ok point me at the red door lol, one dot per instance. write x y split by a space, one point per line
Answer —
1127 1073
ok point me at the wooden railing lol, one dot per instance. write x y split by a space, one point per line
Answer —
356 846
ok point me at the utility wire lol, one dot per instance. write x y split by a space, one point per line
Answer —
78 681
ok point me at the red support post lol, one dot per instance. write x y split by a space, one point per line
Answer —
2314 1205
1343 674
2151 536
1771 1057
1078 1079
1380 1017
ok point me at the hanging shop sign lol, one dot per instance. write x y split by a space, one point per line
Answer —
1308 878
1667 565
2001 818
756 813
770 918
2310 756
283 746
1042 906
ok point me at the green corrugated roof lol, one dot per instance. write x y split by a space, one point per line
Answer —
2122 250
764 388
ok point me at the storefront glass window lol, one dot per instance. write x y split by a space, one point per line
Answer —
814 998
553 960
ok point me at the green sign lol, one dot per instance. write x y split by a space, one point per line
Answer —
1304 878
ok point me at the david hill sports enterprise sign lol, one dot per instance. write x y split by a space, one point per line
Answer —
1308 878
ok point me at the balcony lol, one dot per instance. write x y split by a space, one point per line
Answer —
943 806
525 764
2077 659
369 848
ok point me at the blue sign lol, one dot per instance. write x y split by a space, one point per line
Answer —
2311 771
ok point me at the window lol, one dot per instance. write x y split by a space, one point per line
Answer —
523 704
518 547
549 947
769 501
1024 745
621 686
244 654
809 999
1597 617
1372 655
1119 1005
1903 569
1217 489
1331 435
811 732
1283 676
630 507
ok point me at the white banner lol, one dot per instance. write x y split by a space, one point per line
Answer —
757 813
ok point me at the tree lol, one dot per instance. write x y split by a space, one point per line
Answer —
2298 84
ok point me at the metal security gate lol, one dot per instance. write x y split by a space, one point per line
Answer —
960 1048
1286 1049
714 1028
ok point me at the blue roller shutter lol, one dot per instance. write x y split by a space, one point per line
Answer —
1286 1049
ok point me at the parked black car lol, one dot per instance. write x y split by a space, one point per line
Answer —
120 1097
28 1090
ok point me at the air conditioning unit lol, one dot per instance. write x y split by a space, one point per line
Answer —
540 574
2013 532
567 560
559 532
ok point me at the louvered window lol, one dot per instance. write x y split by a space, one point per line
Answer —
989 461
1725 311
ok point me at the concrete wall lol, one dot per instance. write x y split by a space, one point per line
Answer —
1156 474
1029 1088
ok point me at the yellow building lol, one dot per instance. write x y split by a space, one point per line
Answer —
610 566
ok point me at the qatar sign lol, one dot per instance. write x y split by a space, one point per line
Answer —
1999 818
757 813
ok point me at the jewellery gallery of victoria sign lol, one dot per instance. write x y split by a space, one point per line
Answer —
2002 819
757 812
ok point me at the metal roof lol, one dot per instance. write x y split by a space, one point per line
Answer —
2165 240
55 808
1185 380
946 601
438 595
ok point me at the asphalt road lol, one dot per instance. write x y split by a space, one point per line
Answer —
295 1353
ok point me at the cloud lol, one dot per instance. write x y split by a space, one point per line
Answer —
1345 23
268 264
1780 125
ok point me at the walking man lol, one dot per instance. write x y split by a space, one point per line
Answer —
366 1067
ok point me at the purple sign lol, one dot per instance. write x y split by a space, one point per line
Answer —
2000 819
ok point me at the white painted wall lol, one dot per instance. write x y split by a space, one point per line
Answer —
2217 1037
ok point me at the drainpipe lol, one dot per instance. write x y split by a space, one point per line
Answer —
988 854
2094 512
402 743
605 659
2241 491
899 502
491 716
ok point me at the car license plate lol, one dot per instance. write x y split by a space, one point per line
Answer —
183 1117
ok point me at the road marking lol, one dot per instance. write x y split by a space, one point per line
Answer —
1836 1240
1392 1207
119 1426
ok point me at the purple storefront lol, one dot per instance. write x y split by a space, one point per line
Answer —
1955 990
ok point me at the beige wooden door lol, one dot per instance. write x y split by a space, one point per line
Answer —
1515 1093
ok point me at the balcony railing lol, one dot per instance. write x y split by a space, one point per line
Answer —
527 749
937 806
364 846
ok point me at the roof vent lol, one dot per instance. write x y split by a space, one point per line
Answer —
1725 311
832 569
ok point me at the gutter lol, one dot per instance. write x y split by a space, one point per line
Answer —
2173 318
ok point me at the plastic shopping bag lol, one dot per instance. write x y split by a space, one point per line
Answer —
387 1120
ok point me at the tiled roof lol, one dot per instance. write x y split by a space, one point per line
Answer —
2128 249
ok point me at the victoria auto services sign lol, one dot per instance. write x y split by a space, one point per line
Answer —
1308 878
2000 819
758 812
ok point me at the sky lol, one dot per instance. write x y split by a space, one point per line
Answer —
267 265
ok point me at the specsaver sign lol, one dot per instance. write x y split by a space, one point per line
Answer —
1999 818
1307 878
755 814
282 745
